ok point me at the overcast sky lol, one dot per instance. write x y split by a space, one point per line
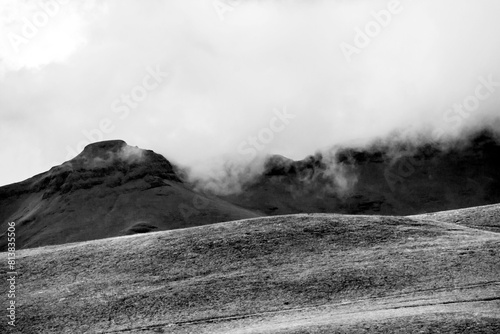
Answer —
197 80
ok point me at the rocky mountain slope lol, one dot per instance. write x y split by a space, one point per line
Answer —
395 178
109 189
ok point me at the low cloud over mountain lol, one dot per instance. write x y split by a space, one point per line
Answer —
177 78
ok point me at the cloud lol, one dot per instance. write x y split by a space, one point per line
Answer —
131 154
227 77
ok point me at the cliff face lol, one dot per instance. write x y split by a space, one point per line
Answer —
109 189
395 179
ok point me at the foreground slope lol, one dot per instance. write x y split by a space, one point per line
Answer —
110 189
485 217
286 274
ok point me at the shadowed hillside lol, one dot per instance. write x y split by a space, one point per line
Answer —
285 274
395 178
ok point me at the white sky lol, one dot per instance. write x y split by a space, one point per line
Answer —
227 77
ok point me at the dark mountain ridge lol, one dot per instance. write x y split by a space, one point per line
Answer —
109 163
109 189
398 178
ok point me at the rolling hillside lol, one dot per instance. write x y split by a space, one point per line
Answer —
307 273
483 217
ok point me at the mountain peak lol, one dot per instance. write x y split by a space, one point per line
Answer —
104 146
117 156
105 152
104 166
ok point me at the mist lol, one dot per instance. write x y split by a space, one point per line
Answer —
216 85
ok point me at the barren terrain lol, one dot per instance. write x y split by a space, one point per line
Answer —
307 273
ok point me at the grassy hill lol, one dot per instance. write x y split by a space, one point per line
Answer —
307 273
485 217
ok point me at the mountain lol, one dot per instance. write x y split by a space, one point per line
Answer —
113 189
307 273
109 189
393 178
